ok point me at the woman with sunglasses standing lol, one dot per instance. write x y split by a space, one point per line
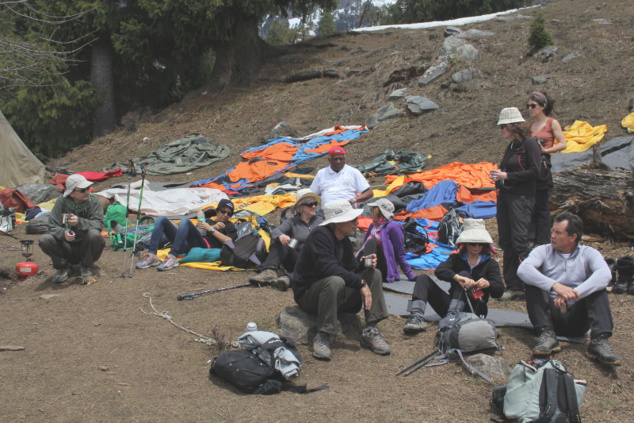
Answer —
187 236
515 179
548 129
474 276
386 239
288 239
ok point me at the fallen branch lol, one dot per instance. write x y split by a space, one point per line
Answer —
312 74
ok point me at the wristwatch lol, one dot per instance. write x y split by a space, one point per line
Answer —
212 230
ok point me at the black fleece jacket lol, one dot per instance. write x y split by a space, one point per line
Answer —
520 162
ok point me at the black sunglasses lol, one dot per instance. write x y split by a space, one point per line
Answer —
310 204
503 126
227 212
477 244
82 190
531 105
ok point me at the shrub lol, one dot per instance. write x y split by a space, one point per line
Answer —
539 37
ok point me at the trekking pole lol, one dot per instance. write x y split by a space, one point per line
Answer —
138 217
131 173
417 364
210 291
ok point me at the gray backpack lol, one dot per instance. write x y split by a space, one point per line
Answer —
541 391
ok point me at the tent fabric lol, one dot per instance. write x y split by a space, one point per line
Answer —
174 202
580 136
183 155
19 165
392 162
277 156
469 175
616 153
628 121
101 176
10 197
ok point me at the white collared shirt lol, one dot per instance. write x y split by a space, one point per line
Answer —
343 185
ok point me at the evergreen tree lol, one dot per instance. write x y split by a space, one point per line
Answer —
326 23
411 11
539 36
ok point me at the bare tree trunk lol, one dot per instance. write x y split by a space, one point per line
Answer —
238 58
102 79
603 198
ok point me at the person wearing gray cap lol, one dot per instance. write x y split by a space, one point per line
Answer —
329 280
386 239
473 274
75 225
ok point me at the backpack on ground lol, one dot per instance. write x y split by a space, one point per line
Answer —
416 238
540 391
264 368
247 251
450 227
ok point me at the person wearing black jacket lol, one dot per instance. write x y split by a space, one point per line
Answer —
471 272
516 181
329 280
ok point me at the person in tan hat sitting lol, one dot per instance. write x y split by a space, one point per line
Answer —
329 280
288 239
516 181
75 225
386 239
474 276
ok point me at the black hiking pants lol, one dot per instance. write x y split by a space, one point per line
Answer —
514 214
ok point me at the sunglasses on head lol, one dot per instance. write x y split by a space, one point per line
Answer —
531 105
82 190
314 204
227 212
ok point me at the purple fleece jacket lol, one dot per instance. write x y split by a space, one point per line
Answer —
393 245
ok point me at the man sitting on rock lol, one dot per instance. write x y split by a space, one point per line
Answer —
565 291
75 225
326 281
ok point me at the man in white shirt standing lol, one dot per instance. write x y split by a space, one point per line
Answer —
340 181
565 291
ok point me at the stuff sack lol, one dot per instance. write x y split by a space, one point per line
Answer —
416 238
248 251
450 227
246 372
540 391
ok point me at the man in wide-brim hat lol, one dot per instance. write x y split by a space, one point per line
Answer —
329 280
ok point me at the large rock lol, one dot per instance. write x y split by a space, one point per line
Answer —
467 52
571 56
386 114
433 73
397 94
280 129
301 327
495 367
450 45
547 54
542 79
465 75
419 105
474 33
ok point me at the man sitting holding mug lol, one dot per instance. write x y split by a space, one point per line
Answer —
288 239
329 280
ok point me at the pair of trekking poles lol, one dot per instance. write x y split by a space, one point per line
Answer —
132 173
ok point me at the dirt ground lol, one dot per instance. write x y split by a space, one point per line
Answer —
97 354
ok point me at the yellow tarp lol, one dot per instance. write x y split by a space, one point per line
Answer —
580 136
628 121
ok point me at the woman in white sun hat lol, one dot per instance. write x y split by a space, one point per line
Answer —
516 181
472 273
386 239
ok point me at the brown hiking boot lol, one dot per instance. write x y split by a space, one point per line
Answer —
547 345
600 350
265 277
372 339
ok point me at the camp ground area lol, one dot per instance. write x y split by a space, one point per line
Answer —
126 349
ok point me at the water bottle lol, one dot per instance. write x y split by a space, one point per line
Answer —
200 215
252 327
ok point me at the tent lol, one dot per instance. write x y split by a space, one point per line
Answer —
19 165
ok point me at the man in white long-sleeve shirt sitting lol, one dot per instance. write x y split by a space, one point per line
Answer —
565 291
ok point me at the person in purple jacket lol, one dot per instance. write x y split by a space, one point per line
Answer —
472 272
386 239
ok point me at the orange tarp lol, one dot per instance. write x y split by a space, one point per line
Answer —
280 152
464 195
323 148
469 175
256 171
432 213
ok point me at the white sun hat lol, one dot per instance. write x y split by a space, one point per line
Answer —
339 211
385 206
510 115
74 182
474 231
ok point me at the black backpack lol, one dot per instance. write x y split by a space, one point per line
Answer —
416 238
248 251
450 227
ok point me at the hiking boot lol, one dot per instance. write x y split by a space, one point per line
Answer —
169 263
372 339
282 283
600 350
88 271
149 260
415 324
321 346
265 277
512 295
548 344
61 275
